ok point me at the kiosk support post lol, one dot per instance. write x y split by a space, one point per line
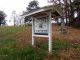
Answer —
50 34
32 32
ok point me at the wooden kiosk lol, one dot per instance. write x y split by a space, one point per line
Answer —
41 23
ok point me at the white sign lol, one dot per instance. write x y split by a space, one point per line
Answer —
41 26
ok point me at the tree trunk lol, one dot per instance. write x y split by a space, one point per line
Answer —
62 29
0 23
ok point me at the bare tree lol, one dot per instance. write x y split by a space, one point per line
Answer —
62 4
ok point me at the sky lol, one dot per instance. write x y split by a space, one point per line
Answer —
18 5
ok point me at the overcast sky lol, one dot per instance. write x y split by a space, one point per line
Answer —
18 5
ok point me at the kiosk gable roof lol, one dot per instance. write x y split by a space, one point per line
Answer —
41 10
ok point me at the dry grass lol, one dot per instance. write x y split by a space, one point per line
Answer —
72 35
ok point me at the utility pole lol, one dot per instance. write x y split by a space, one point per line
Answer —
13 13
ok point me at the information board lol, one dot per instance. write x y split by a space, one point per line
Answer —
41 26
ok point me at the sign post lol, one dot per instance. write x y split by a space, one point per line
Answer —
50 33
32 31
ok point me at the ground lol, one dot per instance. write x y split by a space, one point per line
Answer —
15 44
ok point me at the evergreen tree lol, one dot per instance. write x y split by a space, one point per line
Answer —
33 5
75 13
2 17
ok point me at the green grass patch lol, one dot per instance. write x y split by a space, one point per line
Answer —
59 45
31 53
5 31
8 42
28 53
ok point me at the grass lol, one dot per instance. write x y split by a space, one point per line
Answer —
13 46
28 53
10 50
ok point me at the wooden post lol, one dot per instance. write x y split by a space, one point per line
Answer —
50 34
32 32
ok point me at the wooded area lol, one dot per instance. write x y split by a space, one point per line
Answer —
71 11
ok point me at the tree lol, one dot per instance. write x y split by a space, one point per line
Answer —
71 9
2 17
33 5
75 13
61 10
